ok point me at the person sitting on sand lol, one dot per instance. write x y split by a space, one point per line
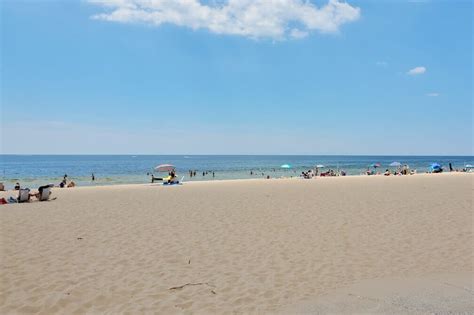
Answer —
17 186
172 177
71 184
387 172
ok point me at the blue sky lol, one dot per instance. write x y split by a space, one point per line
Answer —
362 77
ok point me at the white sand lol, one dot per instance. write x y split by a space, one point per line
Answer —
254 245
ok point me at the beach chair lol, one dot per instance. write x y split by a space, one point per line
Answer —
24 195
44 192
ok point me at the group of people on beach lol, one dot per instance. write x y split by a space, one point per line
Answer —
405 170
64 183
330 172
24 194
43 193
172 178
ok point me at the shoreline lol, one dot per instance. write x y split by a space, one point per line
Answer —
255 179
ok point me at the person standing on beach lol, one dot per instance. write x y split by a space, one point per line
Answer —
93 177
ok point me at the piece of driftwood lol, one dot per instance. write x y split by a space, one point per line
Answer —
190 284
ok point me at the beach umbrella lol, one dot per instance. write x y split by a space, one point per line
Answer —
469 166
319 165
164 168
395 164
435 167
286 166
375 165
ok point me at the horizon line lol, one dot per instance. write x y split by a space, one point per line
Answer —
213 154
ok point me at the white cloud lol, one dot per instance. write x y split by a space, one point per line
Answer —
276 19
416 71
432 94
296 33
382 63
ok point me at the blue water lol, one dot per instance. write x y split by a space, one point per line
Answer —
35 170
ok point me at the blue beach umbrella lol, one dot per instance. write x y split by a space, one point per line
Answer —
435 167
375 165
395 164
286 166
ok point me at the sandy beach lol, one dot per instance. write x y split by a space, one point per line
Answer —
244 246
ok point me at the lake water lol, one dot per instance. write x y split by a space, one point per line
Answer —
35 170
